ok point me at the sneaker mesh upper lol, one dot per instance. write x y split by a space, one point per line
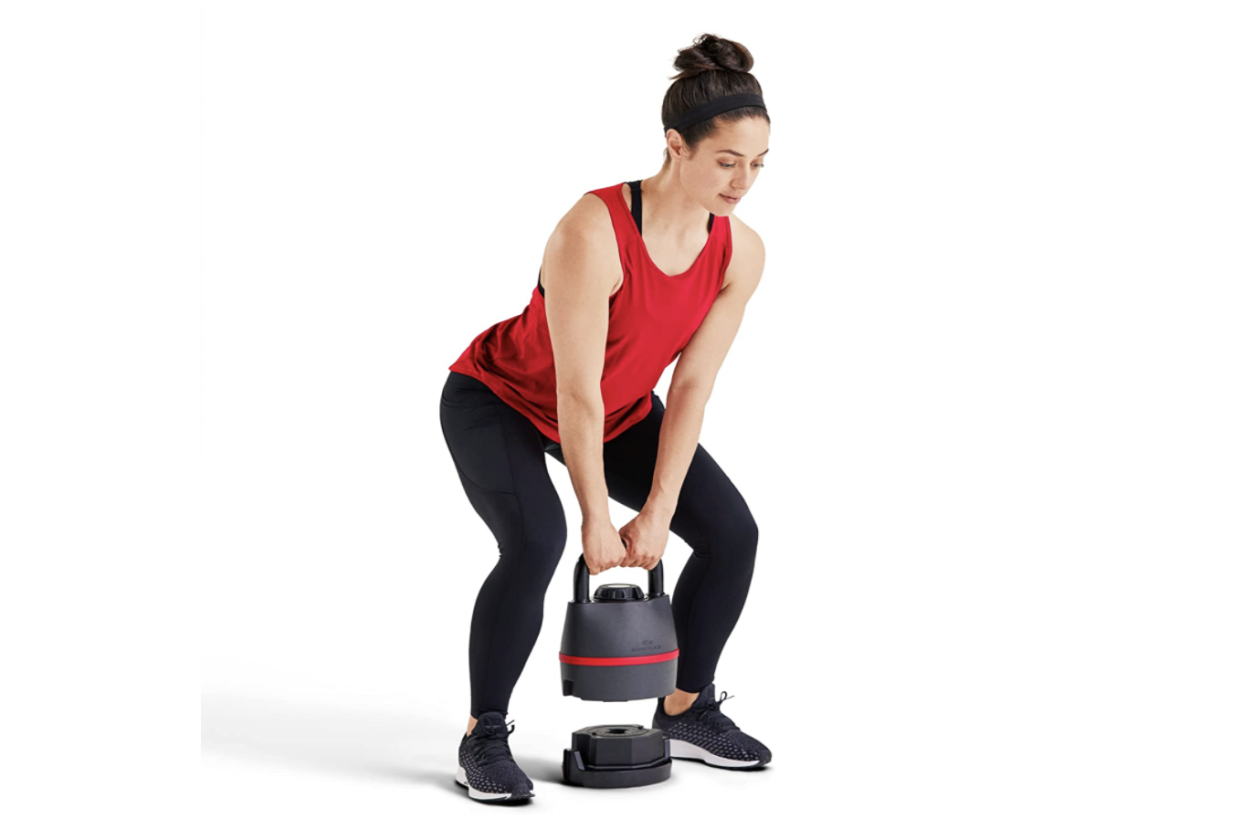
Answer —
705 726
484 755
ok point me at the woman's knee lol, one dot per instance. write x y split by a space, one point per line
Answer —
535 555
732 533
742 531
734 521
712 509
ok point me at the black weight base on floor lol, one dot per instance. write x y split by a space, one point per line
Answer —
622 756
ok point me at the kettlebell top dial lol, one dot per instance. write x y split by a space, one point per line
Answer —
618 592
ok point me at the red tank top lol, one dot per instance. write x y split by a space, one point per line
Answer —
651 319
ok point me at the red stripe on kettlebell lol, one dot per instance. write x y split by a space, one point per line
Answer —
619 660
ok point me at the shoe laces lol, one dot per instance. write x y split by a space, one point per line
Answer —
492 744
716 718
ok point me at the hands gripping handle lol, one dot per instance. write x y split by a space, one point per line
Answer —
582 578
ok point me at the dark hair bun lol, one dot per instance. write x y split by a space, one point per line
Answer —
711 53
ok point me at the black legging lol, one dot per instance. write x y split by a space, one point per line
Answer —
499 455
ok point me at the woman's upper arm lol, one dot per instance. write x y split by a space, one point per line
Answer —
580 267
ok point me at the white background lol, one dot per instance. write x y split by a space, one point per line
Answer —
984 405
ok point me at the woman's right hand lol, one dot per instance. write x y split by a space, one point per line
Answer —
602 547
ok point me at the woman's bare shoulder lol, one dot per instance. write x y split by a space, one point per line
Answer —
744 236
589 215
584 237
747 249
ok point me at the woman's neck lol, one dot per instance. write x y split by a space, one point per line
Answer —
668 211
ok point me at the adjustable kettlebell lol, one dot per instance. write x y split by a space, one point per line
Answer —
619 644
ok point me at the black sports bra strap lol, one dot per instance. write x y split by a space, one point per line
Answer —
636 207
636 204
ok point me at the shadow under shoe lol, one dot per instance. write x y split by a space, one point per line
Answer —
485 766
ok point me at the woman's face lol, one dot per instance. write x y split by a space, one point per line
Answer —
726 164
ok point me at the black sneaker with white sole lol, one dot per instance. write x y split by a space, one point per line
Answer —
704 733
486 767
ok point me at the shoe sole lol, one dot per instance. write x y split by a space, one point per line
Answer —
684 749
483 796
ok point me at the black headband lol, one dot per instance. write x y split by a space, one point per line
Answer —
716 106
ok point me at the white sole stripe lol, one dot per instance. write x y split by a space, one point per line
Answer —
476 794
684 749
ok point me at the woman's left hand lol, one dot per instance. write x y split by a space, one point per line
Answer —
646 537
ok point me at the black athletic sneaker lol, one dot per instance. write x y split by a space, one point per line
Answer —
705 733
486 767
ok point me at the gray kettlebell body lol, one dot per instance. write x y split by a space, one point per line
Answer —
620 644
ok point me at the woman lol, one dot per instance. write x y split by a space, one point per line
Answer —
636 274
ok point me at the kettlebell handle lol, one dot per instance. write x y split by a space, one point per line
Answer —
582 581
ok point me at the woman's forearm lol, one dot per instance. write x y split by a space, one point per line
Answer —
580 421
679 438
